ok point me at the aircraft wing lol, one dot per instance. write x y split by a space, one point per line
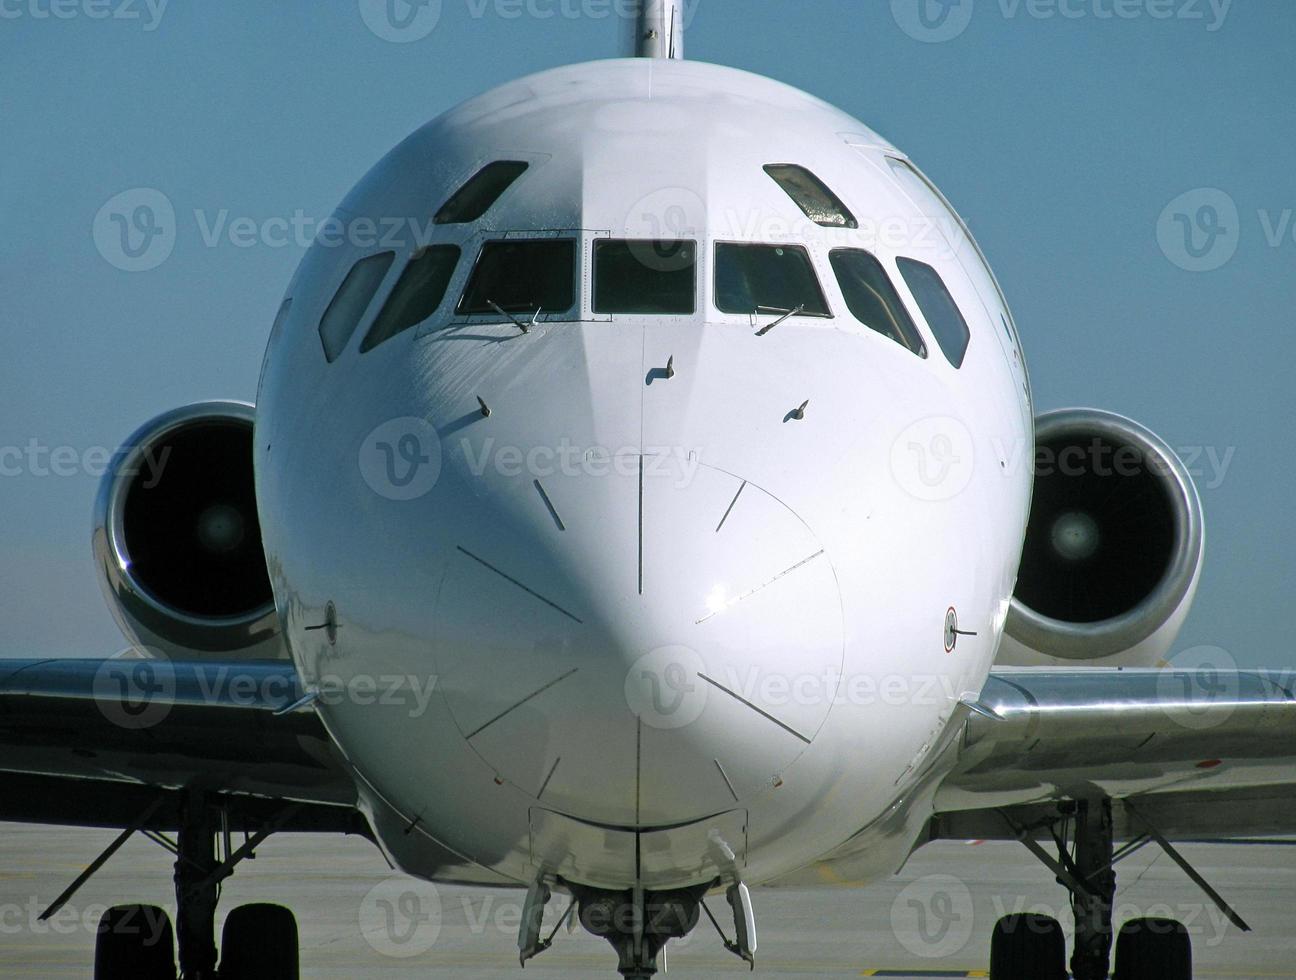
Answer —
1193 754
101 742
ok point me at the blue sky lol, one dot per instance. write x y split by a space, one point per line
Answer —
1061 129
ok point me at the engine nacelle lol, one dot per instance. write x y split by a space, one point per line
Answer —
1113 548
178 542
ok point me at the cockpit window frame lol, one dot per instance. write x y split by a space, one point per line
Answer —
938 326
713 250
382 262
809 192
597 244
466 205
372 339
901 316
485 242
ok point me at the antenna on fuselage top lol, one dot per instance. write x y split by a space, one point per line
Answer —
659 29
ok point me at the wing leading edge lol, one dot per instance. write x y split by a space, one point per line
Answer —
1196 753
97 742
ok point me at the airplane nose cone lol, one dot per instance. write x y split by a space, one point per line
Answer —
642 642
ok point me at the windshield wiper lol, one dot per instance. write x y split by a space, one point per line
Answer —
520 324
774 309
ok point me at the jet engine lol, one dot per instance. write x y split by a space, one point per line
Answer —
177 539
1113 548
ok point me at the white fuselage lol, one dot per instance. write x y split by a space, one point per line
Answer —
676 632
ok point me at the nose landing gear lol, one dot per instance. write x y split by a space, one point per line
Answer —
639 923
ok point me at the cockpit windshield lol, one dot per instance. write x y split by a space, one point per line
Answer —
522 276
644 276
872 298
767 279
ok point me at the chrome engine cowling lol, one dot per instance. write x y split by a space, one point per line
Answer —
178 542
1113 548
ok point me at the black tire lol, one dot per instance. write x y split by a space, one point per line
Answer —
259 942
1153 949
135 942
1028 947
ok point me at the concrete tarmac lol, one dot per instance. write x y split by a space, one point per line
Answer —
357 919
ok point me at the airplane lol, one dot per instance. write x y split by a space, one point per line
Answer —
655 510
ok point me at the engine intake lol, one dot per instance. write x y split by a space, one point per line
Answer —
177 538
1113 547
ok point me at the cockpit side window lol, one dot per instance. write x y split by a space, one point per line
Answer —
645 276
938 306
349 303
767 279
812 196
522 276
418 293
482 190
873 300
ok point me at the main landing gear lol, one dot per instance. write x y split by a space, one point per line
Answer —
139 942
1032 947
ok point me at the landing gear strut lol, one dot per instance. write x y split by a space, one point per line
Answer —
1092 904
639 923
138 942
197 887
1031 947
